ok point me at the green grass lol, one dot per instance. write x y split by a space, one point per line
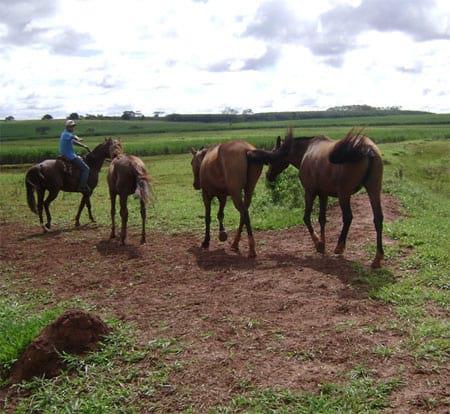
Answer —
361 394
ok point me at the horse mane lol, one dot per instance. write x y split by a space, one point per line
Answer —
352 148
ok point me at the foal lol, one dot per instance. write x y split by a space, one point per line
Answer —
223 170
337 169
127 175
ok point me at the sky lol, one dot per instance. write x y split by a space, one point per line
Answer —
202 56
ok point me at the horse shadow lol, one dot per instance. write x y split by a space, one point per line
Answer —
57 232
220 259
357 280
110 247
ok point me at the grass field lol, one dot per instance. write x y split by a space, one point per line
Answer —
158 137
416 172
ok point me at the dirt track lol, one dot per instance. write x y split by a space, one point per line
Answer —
290 318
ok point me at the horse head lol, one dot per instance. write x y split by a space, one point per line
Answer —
197 158
281 162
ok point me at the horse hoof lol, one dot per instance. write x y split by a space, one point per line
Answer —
223 236
143 241
251 255
205 246
45 229
320 247
376 264
77 224
339 249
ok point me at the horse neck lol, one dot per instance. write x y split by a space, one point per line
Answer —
95 159
298 150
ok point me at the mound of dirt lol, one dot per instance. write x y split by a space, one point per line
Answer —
74 332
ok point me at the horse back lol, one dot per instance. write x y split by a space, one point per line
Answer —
319 175
225 168
123 173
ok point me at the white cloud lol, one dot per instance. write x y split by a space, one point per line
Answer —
184 56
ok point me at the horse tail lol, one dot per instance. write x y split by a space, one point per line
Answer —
32 182
353 148
143 188
259 156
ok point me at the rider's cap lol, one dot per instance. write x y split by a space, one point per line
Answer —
70 122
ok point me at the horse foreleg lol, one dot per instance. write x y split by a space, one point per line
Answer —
113 215
80 209
89 207
51 196
322 221
220 216
309 201
347 217
207 202
375 202
124 217
143 217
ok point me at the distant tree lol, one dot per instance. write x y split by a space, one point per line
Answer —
228 110
127 115
9 118
47 116
231 112
157 114
247 112
74 116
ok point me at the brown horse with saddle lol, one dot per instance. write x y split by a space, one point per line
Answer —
57 175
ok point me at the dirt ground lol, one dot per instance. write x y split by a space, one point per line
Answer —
291 318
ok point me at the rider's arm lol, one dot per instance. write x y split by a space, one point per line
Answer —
77 141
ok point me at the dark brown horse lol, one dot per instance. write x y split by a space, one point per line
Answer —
52 176
337 169
127 175
223 170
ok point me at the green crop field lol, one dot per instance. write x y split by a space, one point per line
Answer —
21 144
414 286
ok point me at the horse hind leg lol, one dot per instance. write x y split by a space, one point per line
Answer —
124 218
207 202
51 196
375 202
143 217
309 202
40 207
347 217
113 215
220 216
244 220
322 221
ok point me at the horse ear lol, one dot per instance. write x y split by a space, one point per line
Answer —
193 151
278 144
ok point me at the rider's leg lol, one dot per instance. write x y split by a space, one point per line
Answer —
84 172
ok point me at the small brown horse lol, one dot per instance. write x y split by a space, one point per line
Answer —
51 176
223 170
337 169
127 175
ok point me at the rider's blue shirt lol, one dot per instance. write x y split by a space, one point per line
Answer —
66 145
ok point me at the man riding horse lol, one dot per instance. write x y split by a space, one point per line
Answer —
66 141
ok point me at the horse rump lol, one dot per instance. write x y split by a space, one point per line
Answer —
353 148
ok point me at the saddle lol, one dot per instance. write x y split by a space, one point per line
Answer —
65 164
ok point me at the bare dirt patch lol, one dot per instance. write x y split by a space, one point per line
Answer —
290 318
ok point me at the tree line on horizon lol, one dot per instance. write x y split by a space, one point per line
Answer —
232 115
